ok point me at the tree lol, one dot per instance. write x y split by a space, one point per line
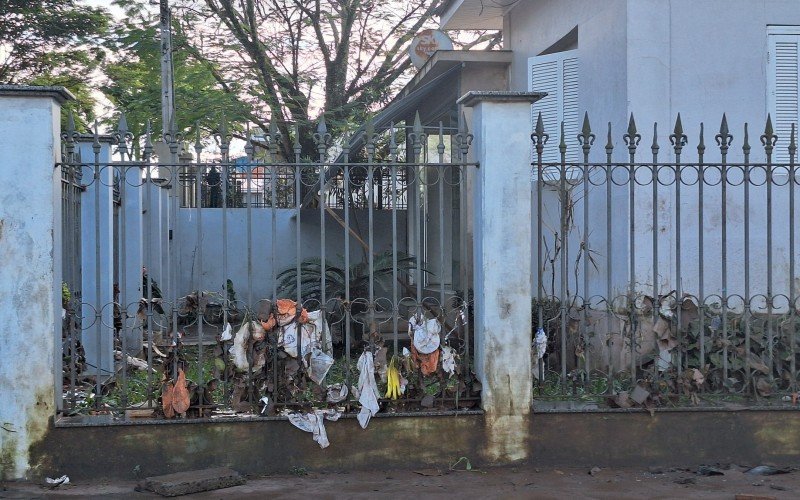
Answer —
134 85
290 59
51 42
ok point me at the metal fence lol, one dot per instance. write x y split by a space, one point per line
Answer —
665 281
393 287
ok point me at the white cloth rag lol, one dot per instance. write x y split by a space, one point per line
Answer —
425 334
449 360
367 389
315 424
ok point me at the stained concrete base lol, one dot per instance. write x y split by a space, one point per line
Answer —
604 439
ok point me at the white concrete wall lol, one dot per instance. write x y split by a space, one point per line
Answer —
30 276
657 58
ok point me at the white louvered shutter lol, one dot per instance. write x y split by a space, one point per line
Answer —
784 89
556 74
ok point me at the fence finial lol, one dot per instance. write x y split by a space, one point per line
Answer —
392 141
122 136
70 123
198 145
346 144
792 143
322 138
440 147
678 139
539 137
463 138
96 138
655 147
701 145
632 137
147 149
562 143
417 135
746 141
274 136
586 137
69 137
369 139
724 138
249 147
768 138
296 146
609 142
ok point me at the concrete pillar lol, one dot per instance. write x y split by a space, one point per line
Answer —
30 274
501 124
97 288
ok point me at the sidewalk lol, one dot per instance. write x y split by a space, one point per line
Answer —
499 482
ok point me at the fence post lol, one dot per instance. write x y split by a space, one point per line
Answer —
501 123
30 274
97 255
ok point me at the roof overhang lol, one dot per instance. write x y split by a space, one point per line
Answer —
473 14
443 61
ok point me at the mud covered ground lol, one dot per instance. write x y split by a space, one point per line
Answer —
496 482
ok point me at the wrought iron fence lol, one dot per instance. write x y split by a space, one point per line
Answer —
665 282
274 306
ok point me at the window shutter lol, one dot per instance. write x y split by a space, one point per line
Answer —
556 74
784 88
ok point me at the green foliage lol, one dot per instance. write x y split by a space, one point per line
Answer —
134 81
53 42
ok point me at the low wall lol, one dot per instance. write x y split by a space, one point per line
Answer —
606 438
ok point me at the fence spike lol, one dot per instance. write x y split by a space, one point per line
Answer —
463 138
440 147
346 144
392 141
198 146
655 147
701 145
768 138
296 146
274 139
417 124
369 140
678 139
586 137
249 147
609 141
746 140
724 138
122 126
562 143
539 137
369 129
96 138
322 138
70 124
632 137
417 136
147 150
792 143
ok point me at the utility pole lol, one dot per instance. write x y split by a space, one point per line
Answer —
167 83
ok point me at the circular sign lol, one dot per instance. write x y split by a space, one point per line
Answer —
425 44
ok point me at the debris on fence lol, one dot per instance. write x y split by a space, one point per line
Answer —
425 343
367 389
314 422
